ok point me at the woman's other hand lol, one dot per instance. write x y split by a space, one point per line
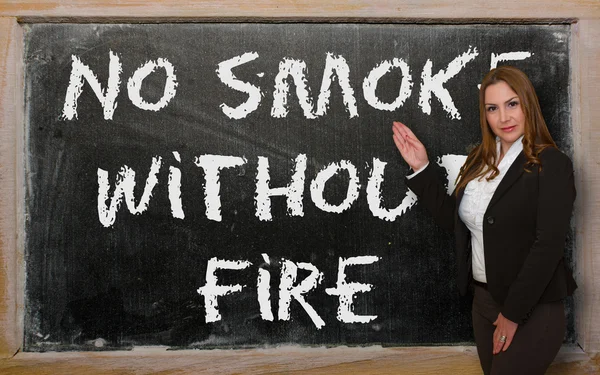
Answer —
504 333
411 149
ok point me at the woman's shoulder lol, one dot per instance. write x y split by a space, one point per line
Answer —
552 153
554 158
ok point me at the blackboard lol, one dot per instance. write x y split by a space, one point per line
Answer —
207 119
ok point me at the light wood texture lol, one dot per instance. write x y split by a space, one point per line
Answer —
11 114
284 360
587 161
447 360
311 9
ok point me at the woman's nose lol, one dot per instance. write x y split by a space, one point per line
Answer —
504 115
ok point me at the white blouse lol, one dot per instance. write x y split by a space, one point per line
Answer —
477 196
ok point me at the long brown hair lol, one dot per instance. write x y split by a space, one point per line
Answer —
482 159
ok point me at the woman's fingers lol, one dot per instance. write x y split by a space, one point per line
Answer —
503 334
403 137
414 143
406 133
400 129
502 341
406 149
498 344
509 339
409 132
397 124
409 146
400 144
398 135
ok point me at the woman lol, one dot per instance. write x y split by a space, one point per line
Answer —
510 213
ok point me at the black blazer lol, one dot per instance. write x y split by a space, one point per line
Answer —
524 231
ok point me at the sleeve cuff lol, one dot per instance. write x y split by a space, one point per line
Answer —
417 171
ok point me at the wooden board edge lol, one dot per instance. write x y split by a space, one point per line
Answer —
307 9
11 112
578 256
289 359
294 19
587 158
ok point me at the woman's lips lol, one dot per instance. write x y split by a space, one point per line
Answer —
509 129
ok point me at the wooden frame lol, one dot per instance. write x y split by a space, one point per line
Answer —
585 55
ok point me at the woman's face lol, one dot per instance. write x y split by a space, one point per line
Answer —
504 113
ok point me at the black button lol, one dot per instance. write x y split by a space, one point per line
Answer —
490 220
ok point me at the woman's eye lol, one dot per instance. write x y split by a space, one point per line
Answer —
491 109
513 104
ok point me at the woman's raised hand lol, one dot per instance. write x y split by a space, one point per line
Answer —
411 149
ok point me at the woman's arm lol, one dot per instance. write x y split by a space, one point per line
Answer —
426 184
556 195
432 193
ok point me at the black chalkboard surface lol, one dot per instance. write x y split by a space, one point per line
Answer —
232 185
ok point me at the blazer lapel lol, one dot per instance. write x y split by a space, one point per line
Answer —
514 172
